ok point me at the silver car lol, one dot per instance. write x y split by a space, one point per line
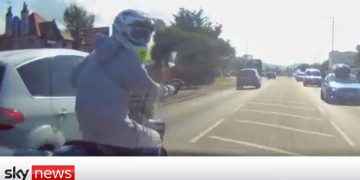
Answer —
248 77
312 77
36 98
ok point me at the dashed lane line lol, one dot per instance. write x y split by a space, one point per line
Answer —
282 114
238 108
258 146
202 134
342 133
283 106
286 128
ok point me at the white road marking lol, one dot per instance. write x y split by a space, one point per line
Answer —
282 114
321 110
238 108
347 139
286 128
255 145
287 101
283 106
195 139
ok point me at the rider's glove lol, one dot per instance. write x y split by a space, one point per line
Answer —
176 83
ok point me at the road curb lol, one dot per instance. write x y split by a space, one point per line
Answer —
200 93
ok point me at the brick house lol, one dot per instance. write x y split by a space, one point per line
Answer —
32 31
87 37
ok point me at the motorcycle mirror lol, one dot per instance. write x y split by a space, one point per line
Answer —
173 58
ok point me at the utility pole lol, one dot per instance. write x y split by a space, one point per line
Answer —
332 43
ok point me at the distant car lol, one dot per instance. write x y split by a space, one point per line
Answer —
300 76
340 90
312 77
271 75
248 77
37 100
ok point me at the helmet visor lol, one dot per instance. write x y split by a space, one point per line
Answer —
140 36
140 33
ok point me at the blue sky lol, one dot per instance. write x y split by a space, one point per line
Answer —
277 31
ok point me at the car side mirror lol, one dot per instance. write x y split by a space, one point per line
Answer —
324 82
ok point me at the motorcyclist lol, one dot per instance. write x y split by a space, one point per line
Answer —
142 108
109 76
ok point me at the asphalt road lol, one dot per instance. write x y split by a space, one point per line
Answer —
280 119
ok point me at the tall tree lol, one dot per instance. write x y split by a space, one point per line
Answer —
76 18
201 54
196 21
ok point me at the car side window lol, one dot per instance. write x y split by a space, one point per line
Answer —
36 77
328 79
63 67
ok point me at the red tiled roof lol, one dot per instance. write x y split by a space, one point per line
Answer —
45 27
34 21
39 26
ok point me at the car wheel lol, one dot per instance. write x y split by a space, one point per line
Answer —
322 96
329 100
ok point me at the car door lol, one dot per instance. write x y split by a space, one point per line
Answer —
325 85
63 95
36 104
258 77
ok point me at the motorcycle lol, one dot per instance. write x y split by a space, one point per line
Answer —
141 110
84 148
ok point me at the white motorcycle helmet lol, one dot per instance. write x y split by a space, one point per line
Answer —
134 29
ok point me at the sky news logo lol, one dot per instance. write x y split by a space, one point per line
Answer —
42 172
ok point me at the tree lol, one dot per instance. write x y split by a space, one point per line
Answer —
303 66
76 18
357 57
316 65
196 21
166 41
324 67
201 54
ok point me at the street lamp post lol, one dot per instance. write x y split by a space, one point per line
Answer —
332 43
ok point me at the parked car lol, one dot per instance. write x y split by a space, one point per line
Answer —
36 98
271 75
300 76
248 77
312 77
340 90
